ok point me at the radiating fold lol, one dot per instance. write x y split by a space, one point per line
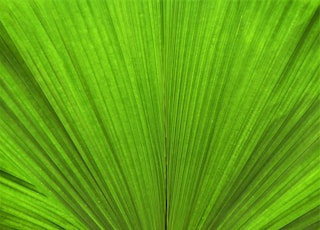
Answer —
82 107
169 114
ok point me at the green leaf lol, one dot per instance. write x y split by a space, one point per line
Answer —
159 114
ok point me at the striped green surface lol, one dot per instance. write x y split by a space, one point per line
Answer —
171 114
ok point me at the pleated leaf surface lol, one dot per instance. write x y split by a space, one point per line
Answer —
169 114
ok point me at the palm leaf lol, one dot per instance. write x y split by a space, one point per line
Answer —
159 114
